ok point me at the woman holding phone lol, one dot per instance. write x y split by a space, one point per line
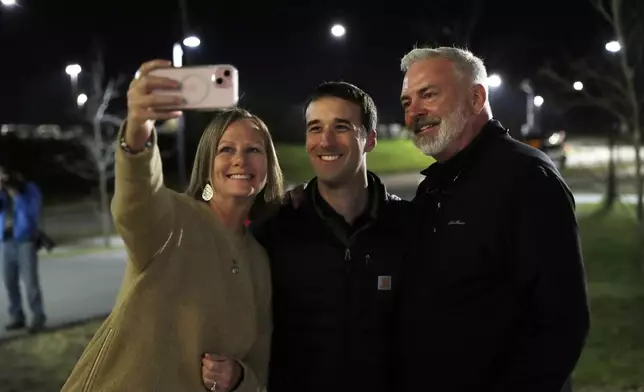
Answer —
196 282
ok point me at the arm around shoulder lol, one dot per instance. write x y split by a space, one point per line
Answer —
142 207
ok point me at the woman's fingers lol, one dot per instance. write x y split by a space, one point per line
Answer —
149 66
217 369
144 105
145 84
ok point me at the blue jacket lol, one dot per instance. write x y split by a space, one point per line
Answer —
26 213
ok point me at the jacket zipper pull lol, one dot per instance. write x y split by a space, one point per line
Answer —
347 258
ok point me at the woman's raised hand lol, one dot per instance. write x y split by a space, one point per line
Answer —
144 107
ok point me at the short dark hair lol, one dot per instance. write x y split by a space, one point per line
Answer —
351 93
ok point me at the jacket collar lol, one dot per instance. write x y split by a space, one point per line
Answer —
451 169
339 227
377 196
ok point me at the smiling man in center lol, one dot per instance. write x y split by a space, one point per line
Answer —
336 257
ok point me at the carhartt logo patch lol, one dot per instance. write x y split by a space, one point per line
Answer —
384 283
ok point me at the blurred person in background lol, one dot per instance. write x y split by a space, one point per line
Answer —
20 204
196 280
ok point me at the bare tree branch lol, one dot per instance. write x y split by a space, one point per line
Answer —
602 102
99 142
584 69
601 9
611 83
96 139
105 101
619 91
110 92
110 149
112 120
79 168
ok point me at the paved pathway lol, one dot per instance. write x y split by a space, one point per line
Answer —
75 287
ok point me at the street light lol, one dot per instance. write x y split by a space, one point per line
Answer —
81 100
192 41
177 55
538 101
9 3
338 31
613 46
73 70
177 50
494 81
578 86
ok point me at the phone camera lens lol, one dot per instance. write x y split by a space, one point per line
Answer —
227 73
219 81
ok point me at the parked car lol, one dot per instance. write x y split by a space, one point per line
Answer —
552 143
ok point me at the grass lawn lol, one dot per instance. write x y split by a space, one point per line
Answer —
42 363
389 156
613 359
614 354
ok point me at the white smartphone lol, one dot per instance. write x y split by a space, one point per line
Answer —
203 87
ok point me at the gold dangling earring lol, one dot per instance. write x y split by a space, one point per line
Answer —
207 193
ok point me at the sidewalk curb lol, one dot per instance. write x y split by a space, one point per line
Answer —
44 255
23 334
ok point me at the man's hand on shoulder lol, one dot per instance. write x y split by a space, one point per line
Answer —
295 196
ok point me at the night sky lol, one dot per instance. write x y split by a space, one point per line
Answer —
283 49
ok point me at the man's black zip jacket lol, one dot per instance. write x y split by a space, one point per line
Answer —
333 292
498 302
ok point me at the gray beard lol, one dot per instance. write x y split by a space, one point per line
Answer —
449 129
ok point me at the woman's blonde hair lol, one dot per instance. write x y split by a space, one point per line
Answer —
207 150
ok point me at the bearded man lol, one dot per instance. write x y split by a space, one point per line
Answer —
496 300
